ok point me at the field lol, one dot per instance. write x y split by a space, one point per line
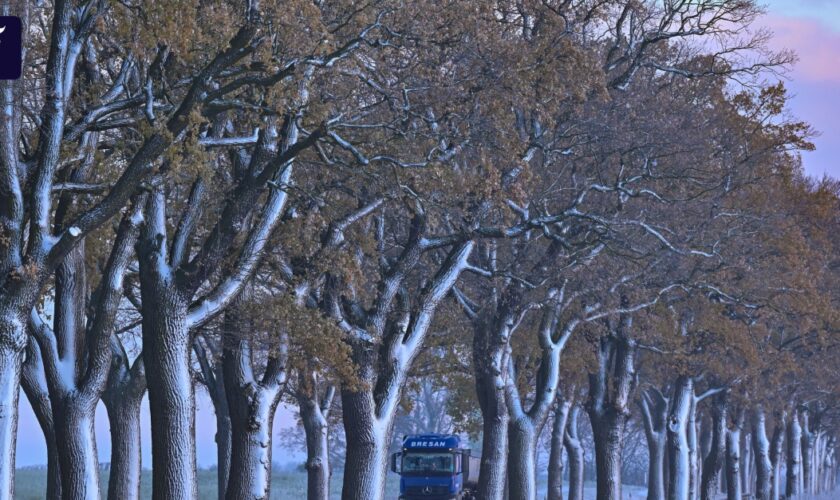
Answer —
285 484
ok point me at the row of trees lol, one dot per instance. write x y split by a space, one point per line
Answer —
328 202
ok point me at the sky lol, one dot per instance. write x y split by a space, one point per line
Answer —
809 27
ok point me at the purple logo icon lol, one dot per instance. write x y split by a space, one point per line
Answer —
11 60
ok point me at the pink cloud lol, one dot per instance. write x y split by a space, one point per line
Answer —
815 43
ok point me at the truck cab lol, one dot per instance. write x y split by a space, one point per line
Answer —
435 466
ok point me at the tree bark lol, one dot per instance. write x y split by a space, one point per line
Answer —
522 440
314 414
733 462
713 462
166 355
776 453
12 342
608 408
574 450
251 438
794 457
490 354
126 464
654 407
367 437
122 397
555 458
678 450
35 386
808 442
763 464
252 404
76 443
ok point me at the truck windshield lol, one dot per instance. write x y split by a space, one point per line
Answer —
427 463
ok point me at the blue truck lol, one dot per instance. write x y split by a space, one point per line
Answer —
436 467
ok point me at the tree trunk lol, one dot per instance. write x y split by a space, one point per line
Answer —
251 437
654 406
678 451
124 479
490 355
313 414
366 462
166 354
609 395
574 450
746 464
224 438
555 458
733 463
776 452
35 386
76 445
522 467
807 442
12 332
608 434
763 464
693 451
794 457
714 459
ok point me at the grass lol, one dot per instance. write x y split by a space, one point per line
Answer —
30 484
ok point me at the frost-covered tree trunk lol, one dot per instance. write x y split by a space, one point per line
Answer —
522 436
34 385
76 354
713 461
808 443
314 412
490 354
693 451
525 426
678 450
733 461
369 411
252 401
794 456
776 454
574 450
166 356
761 447
213 379
555 457
122 398
608 407
746 463
654 407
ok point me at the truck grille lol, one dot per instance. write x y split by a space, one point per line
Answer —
427 490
